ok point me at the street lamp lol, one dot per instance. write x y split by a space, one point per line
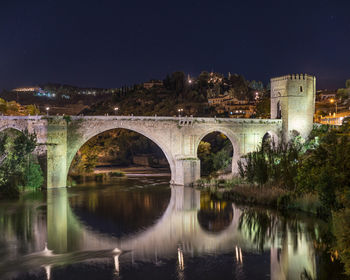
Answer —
180 110
116 110
47 110
336 105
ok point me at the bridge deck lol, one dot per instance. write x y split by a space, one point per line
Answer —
146 118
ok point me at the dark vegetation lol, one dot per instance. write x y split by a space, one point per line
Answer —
14 108
215 152
177 92
19 169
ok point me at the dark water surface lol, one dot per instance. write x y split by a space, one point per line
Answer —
141 228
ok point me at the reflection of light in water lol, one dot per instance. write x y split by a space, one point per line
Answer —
116 260
239 256
180 257
116 264
48 271
239 263
180 269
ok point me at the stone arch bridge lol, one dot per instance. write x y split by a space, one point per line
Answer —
60 137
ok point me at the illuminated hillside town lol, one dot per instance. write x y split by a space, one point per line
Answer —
163 140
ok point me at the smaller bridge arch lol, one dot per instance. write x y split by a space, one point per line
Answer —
233 140
271 136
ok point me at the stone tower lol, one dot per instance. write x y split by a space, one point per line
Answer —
293 101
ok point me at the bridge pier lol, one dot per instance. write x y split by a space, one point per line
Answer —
187 171
56 174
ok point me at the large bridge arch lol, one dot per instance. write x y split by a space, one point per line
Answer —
75 143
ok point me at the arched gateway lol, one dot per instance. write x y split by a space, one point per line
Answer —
61 137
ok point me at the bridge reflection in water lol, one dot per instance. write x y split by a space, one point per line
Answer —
192 224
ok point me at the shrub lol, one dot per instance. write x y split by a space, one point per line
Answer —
116 174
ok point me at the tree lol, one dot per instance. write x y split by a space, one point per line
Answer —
32 110
18 168
347 83
240 86
263 108
203 149
178 82
325 170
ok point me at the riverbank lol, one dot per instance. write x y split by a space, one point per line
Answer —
104 173
135 170
268 195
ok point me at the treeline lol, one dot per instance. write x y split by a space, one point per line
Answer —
19 169
16 109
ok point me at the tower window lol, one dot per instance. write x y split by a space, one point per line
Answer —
301 89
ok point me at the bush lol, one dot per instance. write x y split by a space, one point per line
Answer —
34 176
116 174
275 163
284 201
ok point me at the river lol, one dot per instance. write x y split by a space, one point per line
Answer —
143 228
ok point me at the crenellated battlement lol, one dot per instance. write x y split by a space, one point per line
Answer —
293 77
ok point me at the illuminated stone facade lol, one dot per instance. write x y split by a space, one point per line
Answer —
293 100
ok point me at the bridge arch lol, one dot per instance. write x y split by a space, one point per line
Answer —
12 126
86 134
272 137
233 140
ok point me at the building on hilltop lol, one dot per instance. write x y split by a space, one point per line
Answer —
153 83
232 106
26 89
334 119
325 95
35 91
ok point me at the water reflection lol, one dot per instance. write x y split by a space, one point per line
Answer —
172 229
119 211
214 215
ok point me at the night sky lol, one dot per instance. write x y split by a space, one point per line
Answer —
113 43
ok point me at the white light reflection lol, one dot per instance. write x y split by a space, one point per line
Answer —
239 255
116 264
180 256
48 271
116 261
